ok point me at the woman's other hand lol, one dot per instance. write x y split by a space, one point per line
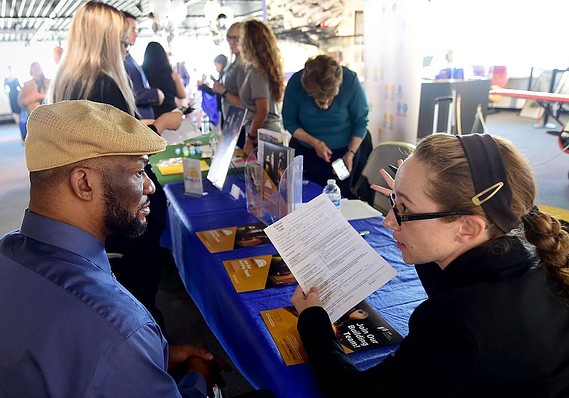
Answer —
302 301
323 151
169 120
218 87
388 179
178 354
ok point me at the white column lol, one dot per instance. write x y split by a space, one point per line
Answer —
393 61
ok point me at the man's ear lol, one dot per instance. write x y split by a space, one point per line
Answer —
82 181
471 228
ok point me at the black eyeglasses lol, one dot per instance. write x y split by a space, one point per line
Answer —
423 216
232 37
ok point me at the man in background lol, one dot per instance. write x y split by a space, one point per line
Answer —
145 95
12 87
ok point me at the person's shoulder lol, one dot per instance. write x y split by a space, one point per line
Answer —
295 79
239 64
296 76
130 63
124 312
104 85
104 303
257 76
348 75
253 71
104 78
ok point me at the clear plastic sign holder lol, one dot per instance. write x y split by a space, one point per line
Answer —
222 150
267 201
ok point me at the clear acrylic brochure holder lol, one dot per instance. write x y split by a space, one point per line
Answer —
267 201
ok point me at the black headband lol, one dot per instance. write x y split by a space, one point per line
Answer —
493 192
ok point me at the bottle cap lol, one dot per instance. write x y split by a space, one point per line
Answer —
331 181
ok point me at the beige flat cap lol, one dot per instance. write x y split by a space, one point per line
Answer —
70 131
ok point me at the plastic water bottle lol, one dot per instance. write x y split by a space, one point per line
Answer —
205 124
332 190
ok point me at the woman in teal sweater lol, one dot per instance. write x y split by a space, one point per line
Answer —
325 109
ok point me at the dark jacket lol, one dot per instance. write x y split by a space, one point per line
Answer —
493 325
145 95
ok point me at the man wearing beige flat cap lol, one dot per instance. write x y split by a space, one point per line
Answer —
67 327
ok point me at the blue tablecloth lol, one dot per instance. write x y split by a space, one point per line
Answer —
235 317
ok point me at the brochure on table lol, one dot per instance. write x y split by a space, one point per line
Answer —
322 249
226 145
258 273
233 237
275 137
359 329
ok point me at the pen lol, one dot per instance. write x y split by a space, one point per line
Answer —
363 233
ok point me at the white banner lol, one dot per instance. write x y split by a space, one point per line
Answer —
393 65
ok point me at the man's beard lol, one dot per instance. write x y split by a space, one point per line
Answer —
118 219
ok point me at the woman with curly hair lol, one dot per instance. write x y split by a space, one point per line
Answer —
263 87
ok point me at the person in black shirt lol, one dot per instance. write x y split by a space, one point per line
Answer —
496 271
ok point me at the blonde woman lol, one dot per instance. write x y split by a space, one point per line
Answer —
93 65
263 86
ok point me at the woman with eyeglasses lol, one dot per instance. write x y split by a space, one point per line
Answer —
496 271
325 109
229 84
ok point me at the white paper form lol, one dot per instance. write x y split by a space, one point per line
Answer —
322 249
